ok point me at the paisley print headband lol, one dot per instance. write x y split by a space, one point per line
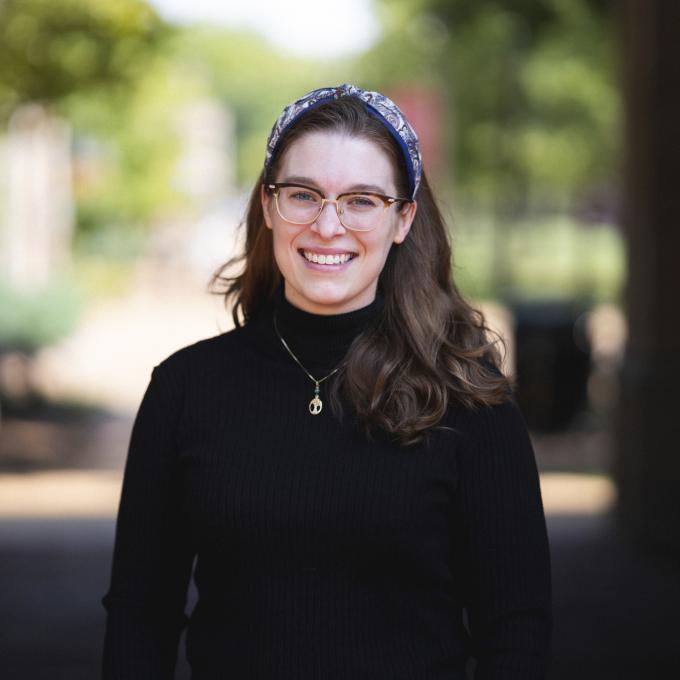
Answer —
377 105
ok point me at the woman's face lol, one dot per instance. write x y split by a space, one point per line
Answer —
334 163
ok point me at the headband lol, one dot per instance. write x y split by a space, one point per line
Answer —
377 105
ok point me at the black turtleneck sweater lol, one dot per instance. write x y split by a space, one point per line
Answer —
320 555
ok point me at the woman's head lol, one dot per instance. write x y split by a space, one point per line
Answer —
331 260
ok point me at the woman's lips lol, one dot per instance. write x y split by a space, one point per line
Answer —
344 257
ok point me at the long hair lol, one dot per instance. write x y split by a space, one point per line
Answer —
428 348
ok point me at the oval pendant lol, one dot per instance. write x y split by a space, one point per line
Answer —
315 406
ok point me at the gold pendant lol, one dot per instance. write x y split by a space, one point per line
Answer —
315 406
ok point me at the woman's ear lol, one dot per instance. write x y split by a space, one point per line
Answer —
266 199
405 219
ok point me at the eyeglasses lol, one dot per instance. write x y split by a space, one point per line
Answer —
362 211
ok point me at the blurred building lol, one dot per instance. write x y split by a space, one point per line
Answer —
36 210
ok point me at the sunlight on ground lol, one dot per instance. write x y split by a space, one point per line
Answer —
68 493
63 493
572 493
108 359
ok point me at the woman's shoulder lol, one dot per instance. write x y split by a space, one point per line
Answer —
226 346
500 414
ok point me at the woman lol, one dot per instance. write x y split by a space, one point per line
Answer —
347 464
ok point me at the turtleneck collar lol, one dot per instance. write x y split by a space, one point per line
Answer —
320 341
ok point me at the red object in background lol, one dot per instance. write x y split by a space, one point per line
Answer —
424 108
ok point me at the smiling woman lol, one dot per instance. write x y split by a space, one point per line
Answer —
397 533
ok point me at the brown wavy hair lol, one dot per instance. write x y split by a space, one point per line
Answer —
428 348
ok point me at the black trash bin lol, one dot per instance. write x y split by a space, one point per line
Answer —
552 362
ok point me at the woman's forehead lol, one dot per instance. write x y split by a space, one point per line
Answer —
335 158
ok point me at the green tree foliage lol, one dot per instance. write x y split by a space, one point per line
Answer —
126 148
121 77
50 49
531 86
136 136
84 60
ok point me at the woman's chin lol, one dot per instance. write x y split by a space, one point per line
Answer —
326 300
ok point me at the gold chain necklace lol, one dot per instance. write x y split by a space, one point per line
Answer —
315 405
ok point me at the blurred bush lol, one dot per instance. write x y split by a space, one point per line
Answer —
554 257
30 319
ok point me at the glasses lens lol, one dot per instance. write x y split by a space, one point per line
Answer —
361 211
298 204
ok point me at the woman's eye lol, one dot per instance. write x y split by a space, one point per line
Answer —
304 196
359 201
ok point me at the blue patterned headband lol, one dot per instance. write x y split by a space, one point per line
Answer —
377 105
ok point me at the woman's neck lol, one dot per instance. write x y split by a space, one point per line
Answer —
320 341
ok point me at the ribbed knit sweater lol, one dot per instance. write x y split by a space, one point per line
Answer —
320 554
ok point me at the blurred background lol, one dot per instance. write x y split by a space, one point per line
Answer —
130 135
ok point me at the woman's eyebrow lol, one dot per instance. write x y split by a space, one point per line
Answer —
295 179
367 187
299 179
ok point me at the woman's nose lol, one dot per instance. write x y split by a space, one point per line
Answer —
328 223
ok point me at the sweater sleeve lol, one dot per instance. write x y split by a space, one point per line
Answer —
506 564
152 555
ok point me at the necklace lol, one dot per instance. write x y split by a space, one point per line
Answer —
315 405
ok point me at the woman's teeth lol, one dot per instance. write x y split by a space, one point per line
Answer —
327 259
